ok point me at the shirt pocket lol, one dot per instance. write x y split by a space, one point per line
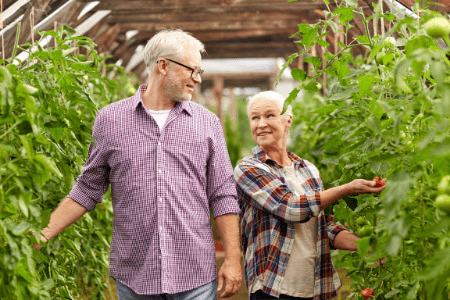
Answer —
132 164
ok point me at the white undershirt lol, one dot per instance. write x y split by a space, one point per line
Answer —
298 280
160 116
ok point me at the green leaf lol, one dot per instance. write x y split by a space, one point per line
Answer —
365 84
393 245
443 149
374 124
326 109
345 94
292 95
323 43
56 54
24 127
289 60
298 74
21 228
48 164
388 58
363 39
330 161
311 86
363 246
351 202
315 61
345 13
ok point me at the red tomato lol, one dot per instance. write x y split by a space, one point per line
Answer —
367 293
379 182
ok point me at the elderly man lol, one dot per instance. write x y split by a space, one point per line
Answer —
166 160
286 237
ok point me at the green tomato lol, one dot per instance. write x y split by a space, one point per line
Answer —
364 231
379 57
355 263
361 220
443 202
438 27
444 185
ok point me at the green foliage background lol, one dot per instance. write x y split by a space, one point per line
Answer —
386 113
48 106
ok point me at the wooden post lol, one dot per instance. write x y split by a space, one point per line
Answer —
324 75
233 109
310 66
218 90
300 63
375 25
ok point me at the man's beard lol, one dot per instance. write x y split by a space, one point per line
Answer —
174 90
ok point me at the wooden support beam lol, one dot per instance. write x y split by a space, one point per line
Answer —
140 17
233 109
138 70
39 9
217 25
105 41
128 54
210 6
64 17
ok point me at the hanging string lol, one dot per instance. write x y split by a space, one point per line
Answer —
32 26
382 21
55 24
375 26
1 28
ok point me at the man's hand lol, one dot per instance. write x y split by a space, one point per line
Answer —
229 278
37 246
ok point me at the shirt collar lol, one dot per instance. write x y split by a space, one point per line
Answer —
262 156
179 106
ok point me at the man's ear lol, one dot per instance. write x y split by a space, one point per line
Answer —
162 66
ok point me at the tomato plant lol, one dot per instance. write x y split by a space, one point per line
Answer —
48 106
388 118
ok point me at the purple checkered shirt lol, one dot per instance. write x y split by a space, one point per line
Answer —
163 185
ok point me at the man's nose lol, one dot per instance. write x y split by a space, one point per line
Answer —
198 79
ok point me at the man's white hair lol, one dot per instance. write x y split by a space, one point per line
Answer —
269 95
170 43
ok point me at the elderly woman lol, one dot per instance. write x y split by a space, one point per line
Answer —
286 237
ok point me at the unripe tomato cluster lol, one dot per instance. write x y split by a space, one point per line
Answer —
442 201
365 228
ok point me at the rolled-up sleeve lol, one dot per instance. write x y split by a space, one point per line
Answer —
93 182
265 191
220 188
333 229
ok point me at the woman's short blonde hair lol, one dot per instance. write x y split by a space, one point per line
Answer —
270 95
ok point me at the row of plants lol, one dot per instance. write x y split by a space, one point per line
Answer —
48 106
386 113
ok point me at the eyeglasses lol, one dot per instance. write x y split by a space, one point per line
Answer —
194 73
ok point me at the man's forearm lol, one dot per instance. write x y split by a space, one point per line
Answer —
228 226
68 212
345 240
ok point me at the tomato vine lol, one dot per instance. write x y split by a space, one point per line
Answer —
48 106
387 114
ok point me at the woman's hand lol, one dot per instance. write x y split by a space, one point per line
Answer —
362 186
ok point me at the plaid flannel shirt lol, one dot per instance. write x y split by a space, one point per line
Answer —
269 211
